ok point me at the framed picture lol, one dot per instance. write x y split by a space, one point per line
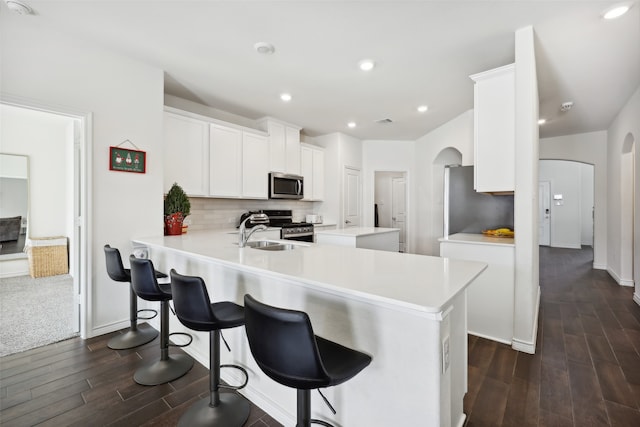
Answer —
125 160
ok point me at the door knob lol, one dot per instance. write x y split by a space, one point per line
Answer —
346 221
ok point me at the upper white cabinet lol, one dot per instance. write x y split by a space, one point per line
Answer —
284 141
494 128
186 154
225 160
210 158
238 166
255 167
312 169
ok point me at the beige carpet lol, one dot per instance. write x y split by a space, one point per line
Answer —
35 312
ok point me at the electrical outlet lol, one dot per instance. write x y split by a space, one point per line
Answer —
446 359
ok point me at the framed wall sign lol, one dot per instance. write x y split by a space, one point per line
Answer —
126 160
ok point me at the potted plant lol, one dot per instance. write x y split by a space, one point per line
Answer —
176 208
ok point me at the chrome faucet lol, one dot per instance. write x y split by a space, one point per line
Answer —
259 218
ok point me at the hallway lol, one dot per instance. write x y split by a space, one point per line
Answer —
586 370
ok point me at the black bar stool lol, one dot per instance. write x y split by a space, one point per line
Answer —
286 349
134 337
195 311
168 367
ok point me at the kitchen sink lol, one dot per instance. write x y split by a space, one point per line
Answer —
261 244
277 247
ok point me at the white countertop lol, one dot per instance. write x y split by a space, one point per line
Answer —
415 282
478 239
358 231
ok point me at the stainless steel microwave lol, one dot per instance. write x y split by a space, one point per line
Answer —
285 186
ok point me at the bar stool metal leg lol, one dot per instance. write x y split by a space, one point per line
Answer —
169 367
134 337
220 409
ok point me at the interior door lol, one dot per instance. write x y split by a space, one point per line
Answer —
399 208
351 197
544 213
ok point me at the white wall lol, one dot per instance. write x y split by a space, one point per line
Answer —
340 151
571 220
125 98
527 289
455 134
625 126
396 156
588 148
42 137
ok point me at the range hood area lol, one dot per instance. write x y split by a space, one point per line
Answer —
467 211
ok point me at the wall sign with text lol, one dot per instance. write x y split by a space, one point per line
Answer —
125 160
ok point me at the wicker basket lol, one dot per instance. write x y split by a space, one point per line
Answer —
48 256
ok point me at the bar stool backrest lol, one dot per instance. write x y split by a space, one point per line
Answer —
115 269
143 280
284 346
191 302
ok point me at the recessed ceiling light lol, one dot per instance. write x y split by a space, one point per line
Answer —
19 7
542 121
286 97
351 124
423 108
616 11
264 48
366 64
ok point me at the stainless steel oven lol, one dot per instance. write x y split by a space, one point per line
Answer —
289 230
301 231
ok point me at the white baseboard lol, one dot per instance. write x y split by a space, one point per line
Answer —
636 297
107 329
619 280
529 346
599 266
462 419
489 337
567 246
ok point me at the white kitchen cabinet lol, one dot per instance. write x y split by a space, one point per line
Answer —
494 130
312 169
186 159
238 166
225 162
284 141
490 296
255 167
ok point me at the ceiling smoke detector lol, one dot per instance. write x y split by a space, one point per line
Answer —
566 106
264 48
19 7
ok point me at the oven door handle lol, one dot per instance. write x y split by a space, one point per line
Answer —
285 236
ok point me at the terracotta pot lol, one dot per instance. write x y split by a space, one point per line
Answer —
173 224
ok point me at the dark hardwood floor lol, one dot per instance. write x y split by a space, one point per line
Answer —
586 371
84 383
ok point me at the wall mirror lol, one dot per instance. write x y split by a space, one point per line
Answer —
14 205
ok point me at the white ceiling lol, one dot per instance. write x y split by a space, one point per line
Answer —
425 51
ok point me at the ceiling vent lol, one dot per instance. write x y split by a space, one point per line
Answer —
384 121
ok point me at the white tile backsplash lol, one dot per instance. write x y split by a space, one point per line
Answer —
220 214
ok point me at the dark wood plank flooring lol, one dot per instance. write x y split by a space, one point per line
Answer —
83 382
586 371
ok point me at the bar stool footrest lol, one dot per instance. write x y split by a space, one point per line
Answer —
236 387
143 310
322 423
181 333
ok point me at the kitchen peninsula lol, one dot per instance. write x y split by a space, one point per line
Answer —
407 311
